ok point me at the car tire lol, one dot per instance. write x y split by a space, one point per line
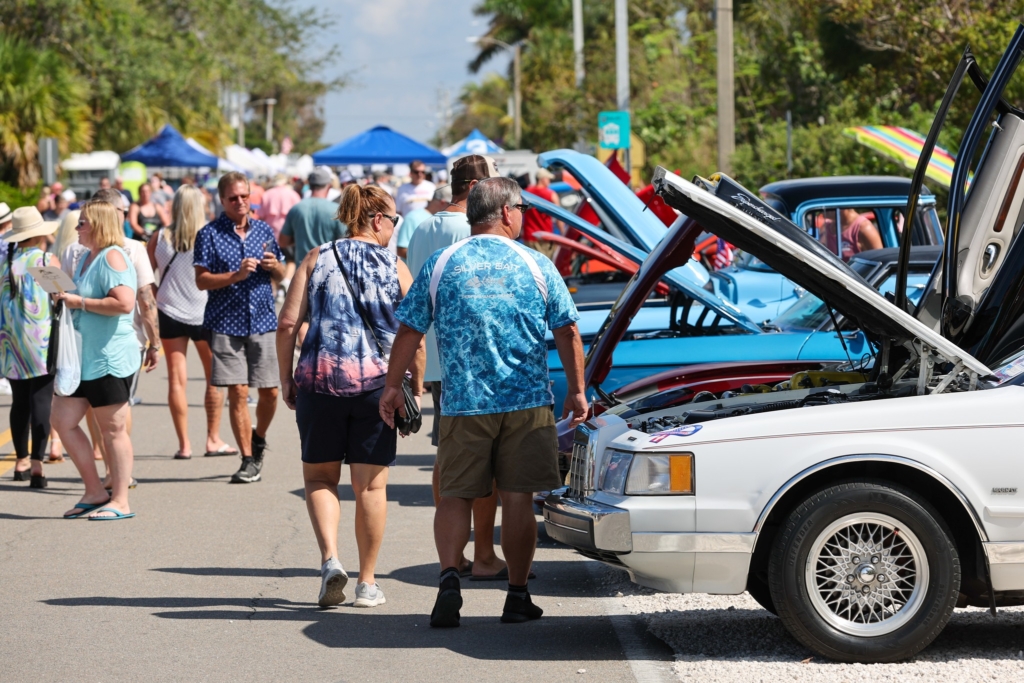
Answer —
762 594
864 572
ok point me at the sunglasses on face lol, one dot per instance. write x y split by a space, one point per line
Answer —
238 198
522 207
393 219
418 171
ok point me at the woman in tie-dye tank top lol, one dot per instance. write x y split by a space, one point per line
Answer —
340 375
24 338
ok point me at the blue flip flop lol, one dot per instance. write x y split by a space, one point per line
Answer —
85 509
117 515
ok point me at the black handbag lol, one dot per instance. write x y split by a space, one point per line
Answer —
54 343
413 420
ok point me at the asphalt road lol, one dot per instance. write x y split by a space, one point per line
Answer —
218 582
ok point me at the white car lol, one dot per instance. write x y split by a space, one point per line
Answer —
864 513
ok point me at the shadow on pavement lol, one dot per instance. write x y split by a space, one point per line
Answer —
561 638
415 461
406 495
284 573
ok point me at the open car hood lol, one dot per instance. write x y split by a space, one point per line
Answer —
728 210
684 278
612 196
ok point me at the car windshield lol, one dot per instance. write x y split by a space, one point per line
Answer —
810 313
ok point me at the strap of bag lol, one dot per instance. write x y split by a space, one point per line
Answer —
442 261
355 302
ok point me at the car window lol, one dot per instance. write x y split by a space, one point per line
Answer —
849 230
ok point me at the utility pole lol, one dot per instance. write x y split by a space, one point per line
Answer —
577 41
622 63
270 102
726 85
517 95
241 118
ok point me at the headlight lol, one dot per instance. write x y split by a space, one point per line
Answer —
670 473
613 472
637 474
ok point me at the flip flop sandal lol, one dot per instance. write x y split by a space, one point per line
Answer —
502 575
223 450
52 460
468 571
24 475
134 482
38 481
116 516
85 508
182 456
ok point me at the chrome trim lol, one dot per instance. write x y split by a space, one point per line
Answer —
590 525
872 458
1004 553
1004 512
686 542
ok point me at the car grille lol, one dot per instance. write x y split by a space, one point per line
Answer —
580 479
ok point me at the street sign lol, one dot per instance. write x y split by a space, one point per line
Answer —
613 129
48 159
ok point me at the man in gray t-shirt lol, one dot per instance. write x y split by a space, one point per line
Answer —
313 221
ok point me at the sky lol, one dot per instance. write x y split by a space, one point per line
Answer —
397 54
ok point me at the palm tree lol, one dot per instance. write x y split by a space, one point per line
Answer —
40 96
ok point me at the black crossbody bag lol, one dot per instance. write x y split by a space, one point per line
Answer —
413 420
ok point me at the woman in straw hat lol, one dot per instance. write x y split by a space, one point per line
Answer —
102 306
24 338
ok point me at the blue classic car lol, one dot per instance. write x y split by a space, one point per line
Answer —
848 214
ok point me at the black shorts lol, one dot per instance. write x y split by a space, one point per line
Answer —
344 428
105 391
172 329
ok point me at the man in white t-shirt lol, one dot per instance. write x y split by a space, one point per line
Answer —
417 192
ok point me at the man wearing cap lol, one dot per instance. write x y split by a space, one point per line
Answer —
314 220
538 221
492 302
417 192
417 217
445 228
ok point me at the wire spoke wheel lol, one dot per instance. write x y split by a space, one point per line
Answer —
866 574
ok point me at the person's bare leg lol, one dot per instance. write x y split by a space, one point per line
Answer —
518 535
321 480
66 418
113 424
485 561
94 435
266 406
213 402
451 529
238 415
176 352
56 449
435 488
369 484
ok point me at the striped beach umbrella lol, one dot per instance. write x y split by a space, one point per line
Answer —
905 147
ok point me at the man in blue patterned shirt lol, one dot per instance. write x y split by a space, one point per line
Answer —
236 259
491 302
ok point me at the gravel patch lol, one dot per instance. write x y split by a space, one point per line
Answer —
731 638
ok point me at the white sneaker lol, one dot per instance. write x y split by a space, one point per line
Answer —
332 583
368 596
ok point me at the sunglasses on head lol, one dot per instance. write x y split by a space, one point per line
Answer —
393 219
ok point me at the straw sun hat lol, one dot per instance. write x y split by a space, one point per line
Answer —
28 222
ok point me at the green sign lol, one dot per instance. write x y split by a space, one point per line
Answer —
613 129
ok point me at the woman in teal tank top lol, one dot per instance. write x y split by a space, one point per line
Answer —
102 307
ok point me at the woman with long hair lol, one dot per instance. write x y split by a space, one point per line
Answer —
102 305
337 385
146 216
25 338
180 306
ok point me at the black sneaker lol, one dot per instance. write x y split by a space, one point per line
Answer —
258 447
446 608
519 609
247 473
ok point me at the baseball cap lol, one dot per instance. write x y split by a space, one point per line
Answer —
320 177
443 194
473 167
545 174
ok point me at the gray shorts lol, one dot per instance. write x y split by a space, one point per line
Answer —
245 360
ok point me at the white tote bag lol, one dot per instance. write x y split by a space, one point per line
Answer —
69 356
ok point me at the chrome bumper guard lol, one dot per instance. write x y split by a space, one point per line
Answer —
587 525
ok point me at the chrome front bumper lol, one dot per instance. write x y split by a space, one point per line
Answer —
585 525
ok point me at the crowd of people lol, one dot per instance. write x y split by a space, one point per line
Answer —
389 290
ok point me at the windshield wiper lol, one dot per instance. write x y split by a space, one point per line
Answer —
769 326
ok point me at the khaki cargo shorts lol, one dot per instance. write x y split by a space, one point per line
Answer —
519 450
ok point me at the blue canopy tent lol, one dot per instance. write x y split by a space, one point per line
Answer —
474 143
168 149
379 145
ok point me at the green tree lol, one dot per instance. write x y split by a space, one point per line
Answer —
40 96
